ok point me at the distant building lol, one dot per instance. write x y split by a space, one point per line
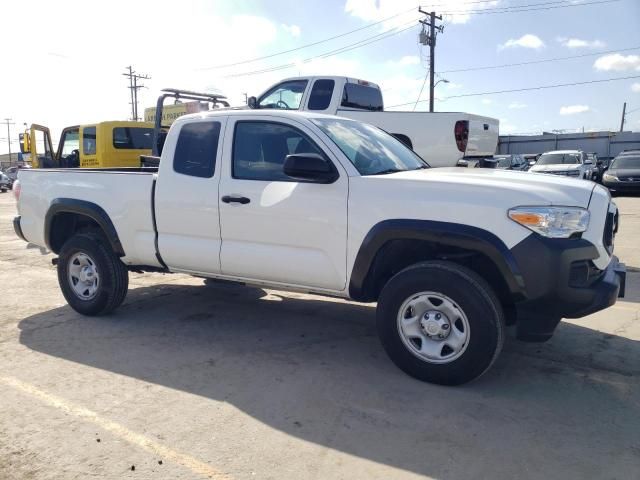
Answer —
605 144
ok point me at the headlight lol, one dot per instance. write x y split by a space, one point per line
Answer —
552 222
611 178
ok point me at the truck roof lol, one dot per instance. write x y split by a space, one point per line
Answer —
272 112
332 77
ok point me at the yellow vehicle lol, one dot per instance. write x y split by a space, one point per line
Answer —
98 145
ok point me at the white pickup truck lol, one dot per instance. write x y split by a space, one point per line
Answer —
322 204
441 138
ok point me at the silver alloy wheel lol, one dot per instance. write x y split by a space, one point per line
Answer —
83 276
433 327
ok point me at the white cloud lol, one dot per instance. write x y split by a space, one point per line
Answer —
579 43
376 10
617 62
574 109
526 41
635 87
293 30
409 60
517 105
486 101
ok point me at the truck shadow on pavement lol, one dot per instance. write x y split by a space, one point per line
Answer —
314 369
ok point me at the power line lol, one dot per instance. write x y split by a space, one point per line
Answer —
525 8
301 47
328 39
376 38
540 87
134 87
430 40
506 65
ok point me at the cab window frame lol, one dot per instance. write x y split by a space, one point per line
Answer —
210 170
306 136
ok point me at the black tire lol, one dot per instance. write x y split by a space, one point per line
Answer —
113 275
471 294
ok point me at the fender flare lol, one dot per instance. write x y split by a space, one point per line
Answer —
87 209
442 233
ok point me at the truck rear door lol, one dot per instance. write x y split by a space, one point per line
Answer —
186 196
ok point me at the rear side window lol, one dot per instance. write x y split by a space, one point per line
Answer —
196 149
132 138
365 97
321 94
89 140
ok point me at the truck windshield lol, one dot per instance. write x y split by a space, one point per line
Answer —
369 149
559 158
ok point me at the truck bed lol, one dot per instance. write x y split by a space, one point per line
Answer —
125 194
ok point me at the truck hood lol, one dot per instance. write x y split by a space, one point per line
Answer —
561 167
511 188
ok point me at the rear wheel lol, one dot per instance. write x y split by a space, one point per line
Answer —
93 279
440 322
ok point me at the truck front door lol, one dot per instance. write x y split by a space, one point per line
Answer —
273 227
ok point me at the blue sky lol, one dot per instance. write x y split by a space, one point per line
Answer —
66 69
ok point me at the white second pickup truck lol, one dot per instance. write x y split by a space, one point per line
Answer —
323 204
441 138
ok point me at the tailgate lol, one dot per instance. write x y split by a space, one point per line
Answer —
483 136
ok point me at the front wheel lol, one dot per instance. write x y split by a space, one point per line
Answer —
440 322
93 280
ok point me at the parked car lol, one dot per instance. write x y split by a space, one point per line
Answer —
5 182
511 162
570 163
623 174
332 206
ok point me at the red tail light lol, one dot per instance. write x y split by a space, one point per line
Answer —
16 189
461 132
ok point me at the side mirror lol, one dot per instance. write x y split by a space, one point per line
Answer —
309 167
25 142
252 102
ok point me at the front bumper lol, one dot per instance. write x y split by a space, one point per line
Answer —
622 186
561 281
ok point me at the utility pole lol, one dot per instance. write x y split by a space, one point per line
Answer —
430 40
624 110
9 123
134 87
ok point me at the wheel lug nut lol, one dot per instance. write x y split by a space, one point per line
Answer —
445 326
426 316
438 316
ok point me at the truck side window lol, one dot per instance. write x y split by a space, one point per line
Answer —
89 140
196 149
260 149
286 95
321 94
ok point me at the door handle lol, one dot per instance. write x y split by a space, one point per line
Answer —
231 199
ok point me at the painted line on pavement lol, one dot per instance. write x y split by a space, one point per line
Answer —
196 466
